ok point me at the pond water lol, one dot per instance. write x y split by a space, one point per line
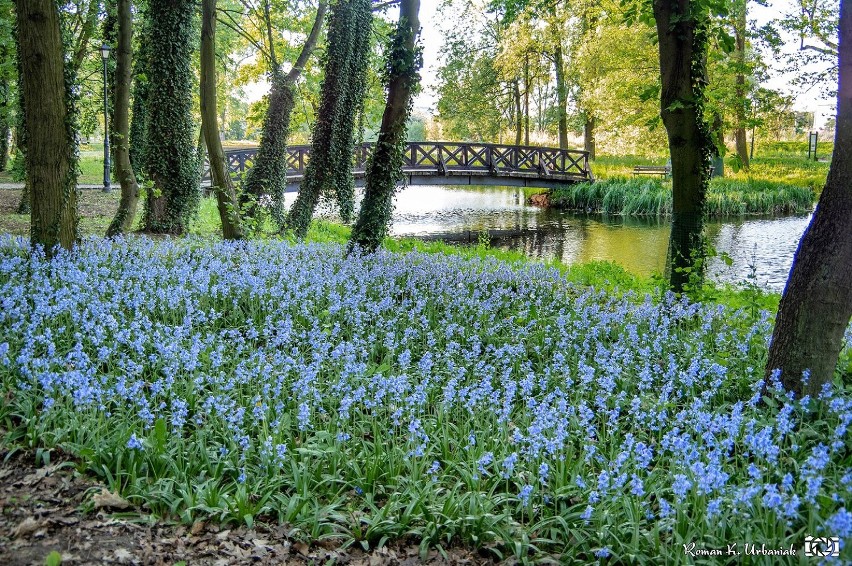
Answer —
763 247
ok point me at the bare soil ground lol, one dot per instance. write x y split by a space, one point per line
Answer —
55 508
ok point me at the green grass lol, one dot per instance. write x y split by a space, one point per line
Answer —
652 197
777 162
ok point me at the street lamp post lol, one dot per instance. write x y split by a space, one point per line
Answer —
105 49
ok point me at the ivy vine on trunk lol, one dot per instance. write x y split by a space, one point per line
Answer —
384 170
268 175
169 140
682 27
329 171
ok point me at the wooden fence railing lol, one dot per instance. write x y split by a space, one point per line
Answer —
448 158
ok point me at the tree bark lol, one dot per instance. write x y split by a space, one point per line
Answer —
740 83
589 136
269 173
385 167
816 306
561 96
226 198
51 170
519 113
126 213
682 48
527 100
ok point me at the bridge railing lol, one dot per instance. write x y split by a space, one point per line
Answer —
445 158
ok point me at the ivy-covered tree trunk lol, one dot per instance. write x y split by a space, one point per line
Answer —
269 173
385 167
226 198
169 145
51 160
561 96
126 213
816 306
329 171
682 37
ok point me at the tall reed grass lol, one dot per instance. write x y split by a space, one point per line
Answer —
650 197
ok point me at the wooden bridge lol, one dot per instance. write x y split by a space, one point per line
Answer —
449 163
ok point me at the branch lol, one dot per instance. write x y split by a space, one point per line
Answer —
309 45
383 5
236 28
273 60
823 50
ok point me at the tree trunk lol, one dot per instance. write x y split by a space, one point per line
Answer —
170 149
589 136
519 113
682 45
226 198
5 120
817 302
51 150
126 214
561 96
385 167
329 171
527 100
269 173
740 82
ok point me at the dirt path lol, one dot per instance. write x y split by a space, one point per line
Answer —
42 510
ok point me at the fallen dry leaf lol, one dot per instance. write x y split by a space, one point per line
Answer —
27 526
106 499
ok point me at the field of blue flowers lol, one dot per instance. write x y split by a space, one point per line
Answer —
416 396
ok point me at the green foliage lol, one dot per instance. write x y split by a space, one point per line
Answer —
170 157
329 171
725 197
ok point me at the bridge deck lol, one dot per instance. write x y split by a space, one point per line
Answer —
450 163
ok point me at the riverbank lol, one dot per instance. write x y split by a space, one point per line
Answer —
651 197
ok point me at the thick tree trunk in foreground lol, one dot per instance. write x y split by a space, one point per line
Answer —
682 45
329 170
126 214
269 173
51 169
226 197
169 145
817 303
561 96
385 166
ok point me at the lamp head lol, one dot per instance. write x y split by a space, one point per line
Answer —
105 49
